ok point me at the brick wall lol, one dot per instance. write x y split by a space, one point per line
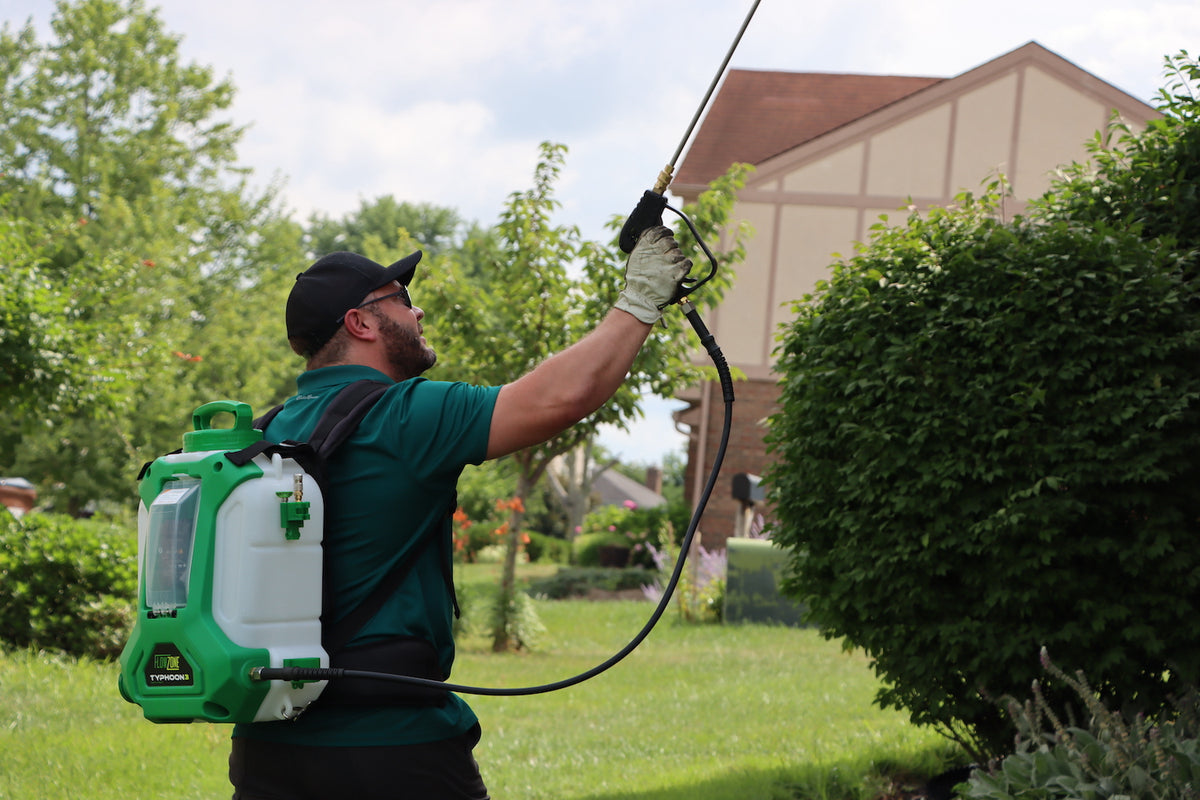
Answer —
753 402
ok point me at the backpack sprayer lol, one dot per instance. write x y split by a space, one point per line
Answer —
210 536
209 645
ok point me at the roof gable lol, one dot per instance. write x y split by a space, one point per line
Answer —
760 114
777 117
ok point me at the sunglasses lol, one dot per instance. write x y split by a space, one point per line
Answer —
402 294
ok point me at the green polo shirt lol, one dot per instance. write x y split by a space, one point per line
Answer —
390 484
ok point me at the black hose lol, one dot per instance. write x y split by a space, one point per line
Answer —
333 673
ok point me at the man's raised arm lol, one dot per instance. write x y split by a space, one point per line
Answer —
568 386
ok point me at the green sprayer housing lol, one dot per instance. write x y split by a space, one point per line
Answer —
229 579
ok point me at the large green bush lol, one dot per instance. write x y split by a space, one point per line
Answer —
587 546
66 584
990 441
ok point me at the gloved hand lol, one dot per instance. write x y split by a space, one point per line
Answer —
654 270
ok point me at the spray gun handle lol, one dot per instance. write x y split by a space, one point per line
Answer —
647 214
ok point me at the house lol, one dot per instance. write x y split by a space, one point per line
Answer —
834 152
611 488
17 495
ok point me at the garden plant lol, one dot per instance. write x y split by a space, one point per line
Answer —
1105 754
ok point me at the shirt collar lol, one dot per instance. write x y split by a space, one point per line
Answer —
315 380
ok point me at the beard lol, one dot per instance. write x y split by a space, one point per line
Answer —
406 353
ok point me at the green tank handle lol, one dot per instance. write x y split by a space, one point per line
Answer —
243 415
205 437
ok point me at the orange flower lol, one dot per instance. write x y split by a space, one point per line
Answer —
515 504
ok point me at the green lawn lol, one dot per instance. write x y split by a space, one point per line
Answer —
697 712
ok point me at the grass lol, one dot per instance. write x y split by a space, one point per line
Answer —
697 712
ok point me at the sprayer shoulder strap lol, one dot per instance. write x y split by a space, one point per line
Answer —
340 418
335 425
343 415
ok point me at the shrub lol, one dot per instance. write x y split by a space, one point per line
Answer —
480 606
551 549
66 584
579 581
483 541
1109 756
987 443
472 538
586 547
624 526
522 627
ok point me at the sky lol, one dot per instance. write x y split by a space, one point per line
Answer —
446 101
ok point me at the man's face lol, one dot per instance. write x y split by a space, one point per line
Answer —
400 328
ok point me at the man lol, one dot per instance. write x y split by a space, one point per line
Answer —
391 488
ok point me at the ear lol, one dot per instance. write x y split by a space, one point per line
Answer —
361 325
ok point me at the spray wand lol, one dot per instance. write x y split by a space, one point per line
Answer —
648 212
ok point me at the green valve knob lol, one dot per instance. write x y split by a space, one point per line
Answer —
292 517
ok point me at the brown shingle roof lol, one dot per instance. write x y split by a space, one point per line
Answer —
760 114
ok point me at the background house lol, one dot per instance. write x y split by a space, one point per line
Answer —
611 488
17 495
832 153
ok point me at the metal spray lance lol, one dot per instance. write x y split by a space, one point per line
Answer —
648 212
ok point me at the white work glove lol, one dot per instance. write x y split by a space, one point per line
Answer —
653 272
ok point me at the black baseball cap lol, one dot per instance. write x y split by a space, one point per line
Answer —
333 285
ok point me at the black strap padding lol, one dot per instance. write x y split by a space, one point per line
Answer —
337 635
262 422
343 415
338 421
146 467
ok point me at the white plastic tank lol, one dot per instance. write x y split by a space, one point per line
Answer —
267 588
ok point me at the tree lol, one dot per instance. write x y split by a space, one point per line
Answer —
987 443
43 356
572 476
532 307
436 229
119 172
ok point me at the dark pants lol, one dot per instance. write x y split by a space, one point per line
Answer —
437 770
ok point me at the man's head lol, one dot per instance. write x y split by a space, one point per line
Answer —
331 287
